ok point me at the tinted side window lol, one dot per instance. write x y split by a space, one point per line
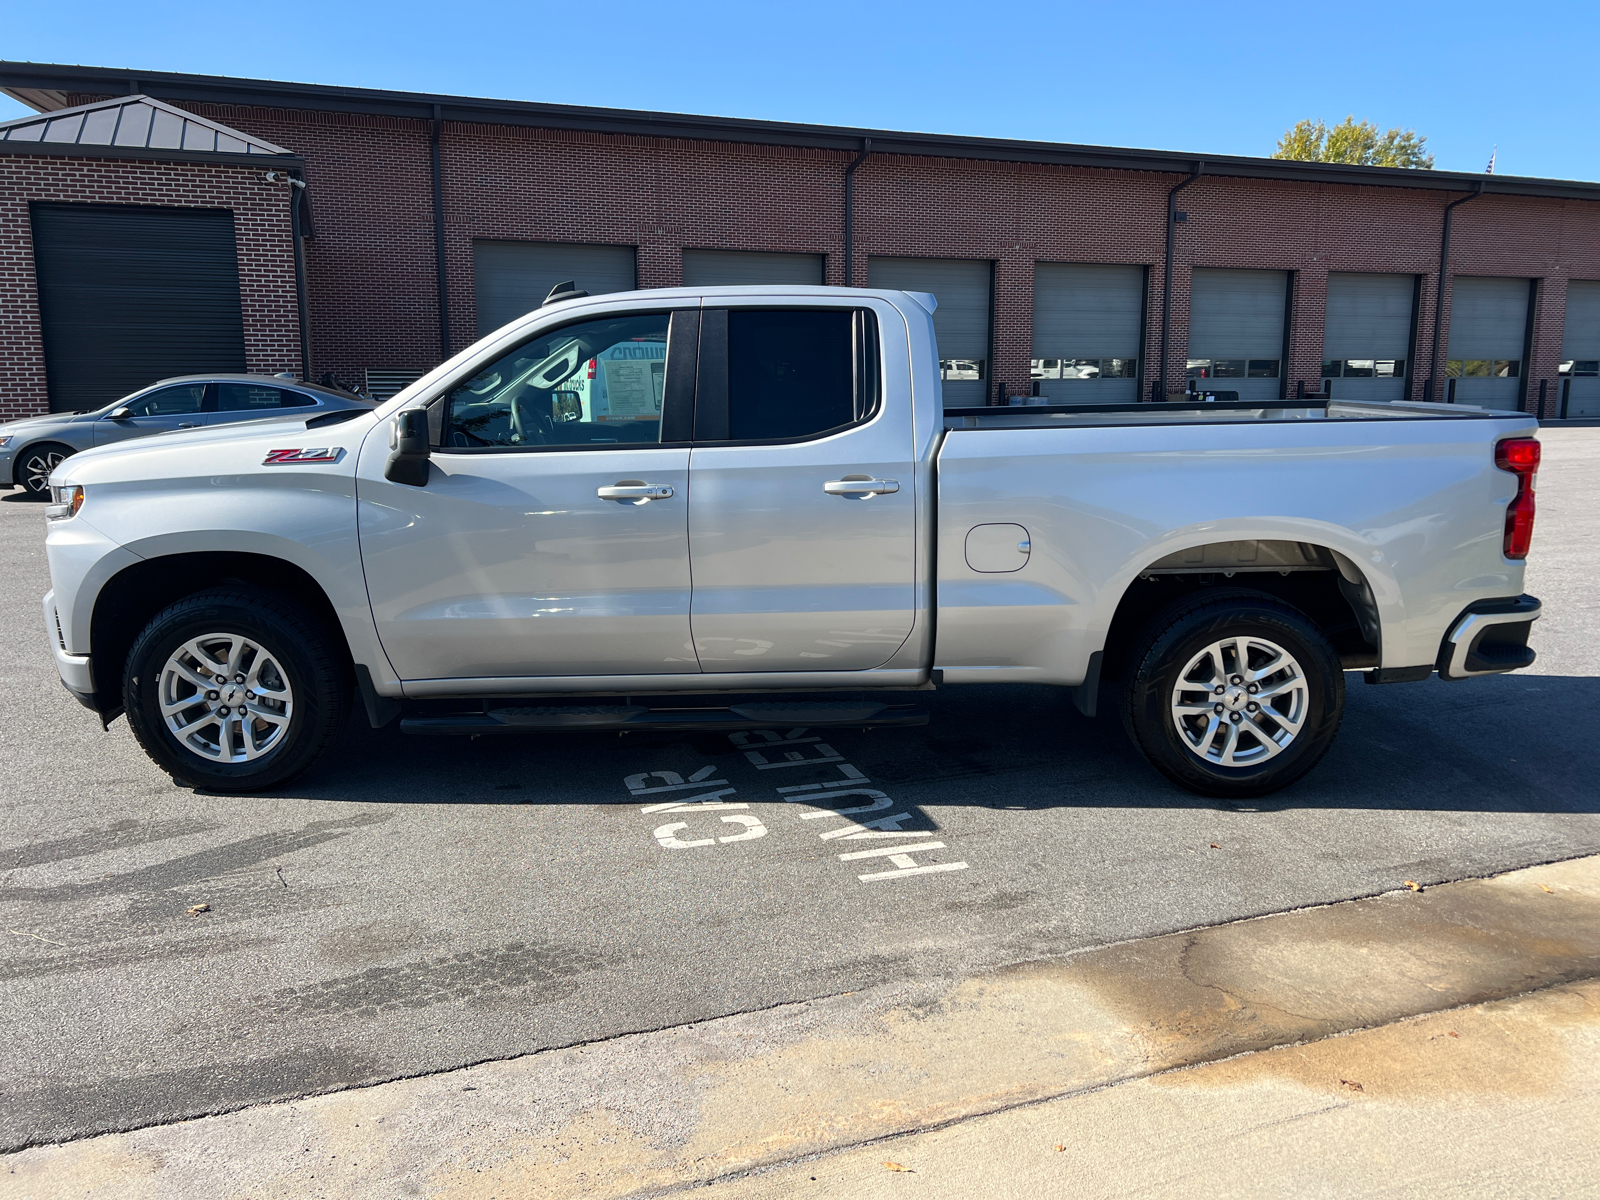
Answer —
593 383
790 372
185 398
241 397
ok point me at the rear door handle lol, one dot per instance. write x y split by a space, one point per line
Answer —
639 493
860 485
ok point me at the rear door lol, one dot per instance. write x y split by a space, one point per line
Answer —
802 505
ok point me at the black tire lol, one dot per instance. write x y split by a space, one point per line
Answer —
34 465
1177 637
299 651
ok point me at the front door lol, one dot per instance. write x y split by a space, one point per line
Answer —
802 494
181 406
551 537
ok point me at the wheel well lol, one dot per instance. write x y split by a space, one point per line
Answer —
136 594
1309 577
45 444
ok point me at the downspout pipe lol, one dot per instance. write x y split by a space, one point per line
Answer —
297 233
1438 299
1160 387
440 272
850 212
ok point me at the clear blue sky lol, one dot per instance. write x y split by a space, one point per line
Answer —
1201 77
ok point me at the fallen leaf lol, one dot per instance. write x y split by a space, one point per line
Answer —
1413 885
1059 1149
1214 846
1452 1033
894 1166
1352 1085
196 909
1551 890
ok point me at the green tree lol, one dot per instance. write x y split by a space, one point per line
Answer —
1352 141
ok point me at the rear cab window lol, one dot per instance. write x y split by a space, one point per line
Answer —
775 375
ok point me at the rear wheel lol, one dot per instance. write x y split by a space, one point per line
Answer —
235 690
1234 695
35 464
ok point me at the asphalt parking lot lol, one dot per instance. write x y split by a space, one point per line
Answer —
417 904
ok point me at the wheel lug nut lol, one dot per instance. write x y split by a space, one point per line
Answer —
1219 689
238 678
1253 706
1217 708
1253 688
1237 679
224 710
1235 718
211 695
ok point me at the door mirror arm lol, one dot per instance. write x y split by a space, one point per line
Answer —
408 448
121 413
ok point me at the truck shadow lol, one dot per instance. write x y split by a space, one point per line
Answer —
1519 743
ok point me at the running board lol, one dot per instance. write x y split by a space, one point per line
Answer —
621 717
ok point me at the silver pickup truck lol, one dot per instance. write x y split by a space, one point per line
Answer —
738 508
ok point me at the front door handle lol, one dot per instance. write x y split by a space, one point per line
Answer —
189 425
637 493
860 485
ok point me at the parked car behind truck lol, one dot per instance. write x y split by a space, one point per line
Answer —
801 518
30 449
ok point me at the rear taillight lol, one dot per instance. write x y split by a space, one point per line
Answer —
1520 456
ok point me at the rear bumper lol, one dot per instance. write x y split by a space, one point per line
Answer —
1489 638
74 669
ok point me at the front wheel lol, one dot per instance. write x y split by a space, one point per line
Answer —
234 690
1234 695
34 467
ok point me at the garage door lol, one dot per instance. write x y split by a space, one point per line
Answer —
1580 350
512 279
720 268
961 320
1367 337
1086 324
1488 328
1236 331
130 295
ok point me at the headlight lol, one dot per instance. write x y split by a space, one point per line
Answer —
65 502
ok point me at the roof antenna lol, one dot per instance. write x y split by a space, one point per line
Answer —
564 291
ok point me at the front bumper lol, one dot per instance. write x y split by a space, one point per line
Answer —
76 675
1489 638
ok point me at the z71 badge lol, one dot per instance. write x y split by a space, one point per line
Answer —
316 454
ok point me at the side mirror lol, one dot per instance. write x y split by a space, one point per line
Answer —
121 413
408 448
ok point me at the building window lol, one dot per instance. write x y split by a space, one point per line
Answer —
1232 368
1483 368
1364 368
1581 366
961 368
1085 368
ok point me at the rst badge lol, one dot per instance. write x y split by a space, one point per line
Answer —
316 454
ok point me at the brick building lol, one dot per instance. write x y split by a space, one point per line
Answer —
428 220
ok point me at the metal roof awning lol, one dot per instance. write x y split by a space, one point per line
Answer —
46 86
136 126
